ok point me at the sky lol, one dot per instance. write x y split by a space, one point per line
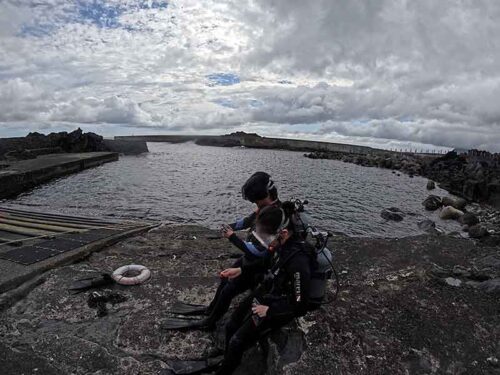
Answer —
387 73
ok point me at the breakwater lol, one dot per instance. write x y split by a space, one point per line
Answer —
255 141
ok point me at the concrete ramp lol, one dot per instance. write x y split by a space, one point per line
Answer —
33 242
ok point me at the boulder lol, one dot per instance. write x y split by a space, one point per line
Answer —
475 190
477 231
450 213
469 219
427 225
392 213
458 203
432 203
431 185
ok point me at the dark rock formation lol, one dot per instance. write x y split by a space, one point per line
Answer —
35 144
474 176
392 213
431 185
427 225
477 231
432 203
469 219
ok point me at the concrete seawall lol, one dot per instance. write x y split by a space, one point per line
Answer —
301 145
126 147
254 141
19 176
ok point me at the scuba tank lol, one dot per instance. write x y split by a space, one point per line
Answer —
323 268
321 273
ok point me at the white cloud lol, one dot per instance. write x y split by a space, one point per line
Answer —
113 110
384 73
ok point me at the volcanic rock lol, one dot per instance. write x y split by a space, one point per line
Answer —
477 231
469 219
392 213
450 213
432 203
458 203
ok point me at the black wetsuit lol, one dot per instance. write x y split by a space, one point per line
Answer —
287 298
254 255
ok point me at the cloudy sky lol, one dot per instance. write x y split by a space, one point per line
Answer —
395 73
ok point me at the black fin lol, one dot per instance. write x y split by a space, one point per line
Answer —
183 308
195 367
170 324
91 282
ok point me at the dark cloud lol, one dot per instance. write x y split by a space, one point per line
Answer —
388 72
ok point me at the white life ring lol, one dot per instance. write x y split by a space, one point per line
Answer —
119 274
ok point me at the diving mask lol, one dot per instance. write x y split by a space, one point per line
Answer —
267 239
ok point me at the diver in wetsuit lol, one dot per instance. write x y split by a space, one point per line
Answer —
258 189
276 302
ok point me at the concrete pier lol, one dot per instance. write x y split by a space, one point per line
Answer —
34 242
19 176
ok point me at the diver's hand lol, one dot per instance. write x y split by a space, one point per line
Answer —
231 273
260 310
226 231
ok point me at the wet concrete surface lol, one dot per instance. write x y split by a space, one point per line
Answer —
395 313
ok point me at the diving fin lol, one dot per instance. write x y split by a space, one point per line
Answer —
195 367
183 324
90 282
183 308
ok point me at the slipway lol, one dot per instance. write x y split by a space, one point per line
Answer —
33 242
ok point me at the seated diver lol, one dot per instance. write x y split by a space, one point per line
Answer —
258 189
274 303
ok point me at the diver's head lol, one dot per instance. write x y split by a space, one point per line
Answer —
260 189
272 228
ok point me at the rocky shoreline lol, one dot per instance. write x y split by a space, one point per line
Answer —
479 222
418 305
36 144
474 176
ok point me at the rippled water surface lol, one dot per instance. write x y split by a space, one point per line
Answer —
196 184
